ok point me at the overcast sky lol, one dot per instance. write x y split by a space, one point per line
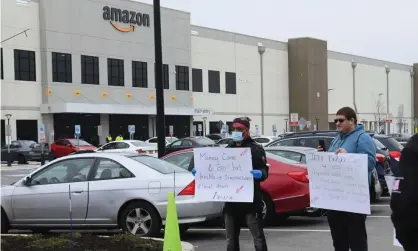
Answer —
382 29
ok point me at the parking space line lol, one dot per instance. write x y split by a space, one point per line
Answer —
265 229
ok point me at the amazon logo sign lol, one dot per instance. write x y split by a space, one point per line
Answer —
125 20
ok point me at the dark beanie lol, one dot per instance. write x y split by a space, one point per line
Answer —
243 121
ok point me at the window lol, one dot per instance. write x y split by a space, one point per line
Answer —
287 154
166 76
141 143
204 141
214 82
25 65
390 143
153 140
89 70
1 64
281 159
262 140
225 141
158 165
197 80
66 171
122 145
115 72
108 169
176 144
171 139
78 142
230 83
182 160
287 142
109 146
61 67
139 74
182 78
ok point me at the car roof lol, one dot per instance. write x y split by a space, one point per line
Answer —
299 149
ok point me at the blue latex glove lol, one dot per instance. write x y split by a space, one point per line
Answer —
194 172
257 174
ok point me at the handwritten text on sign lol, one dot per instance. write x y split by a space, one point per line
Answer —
339 182
223 174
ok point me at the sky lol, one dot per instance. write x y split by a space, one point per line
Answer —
381 29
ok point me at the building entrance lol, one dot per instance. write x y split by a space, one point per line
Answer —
64 126
118 124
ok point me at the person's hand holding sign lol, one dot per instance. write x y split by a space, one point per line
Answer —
257 174
340 150
194 172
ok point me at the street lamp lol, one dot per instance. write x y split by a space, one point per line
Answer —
9 141
204 126
412 101
317 123
285 121
261 50
387 69
354 65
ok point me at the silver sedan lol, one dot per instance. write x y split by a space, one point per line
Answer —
107 191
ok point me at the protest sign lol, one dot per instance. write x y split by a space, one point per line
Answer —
390 180
339 182
223 174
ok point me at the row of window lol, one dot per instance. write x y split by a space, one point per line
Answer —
25 69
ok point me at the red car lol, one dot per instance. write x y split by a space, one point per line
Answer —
64 147
286 190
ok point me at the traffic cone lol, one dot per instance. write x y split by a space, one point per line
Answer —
172 240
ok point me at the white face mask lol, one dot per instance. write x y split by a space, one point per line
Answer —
237 136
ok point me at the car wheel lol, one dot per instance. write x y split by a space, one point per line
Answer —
268 211
21 159
4 223
140 218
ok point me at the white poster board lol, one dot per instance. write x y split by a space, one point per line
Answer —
390 180
339 182
223 174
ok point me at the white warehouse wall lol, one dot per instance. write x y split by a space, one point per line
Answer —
231 52
22 99
371 94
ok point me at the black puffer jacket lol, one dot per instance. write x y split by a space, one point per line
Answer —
259 162
404 202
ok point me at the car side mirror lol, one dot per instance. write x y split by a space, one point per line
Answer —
27 181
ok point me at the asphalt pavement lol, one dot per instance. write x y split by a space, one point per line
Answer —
295 234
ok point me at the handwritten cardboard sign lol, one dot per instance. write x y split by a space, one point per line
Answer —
223 174
339 182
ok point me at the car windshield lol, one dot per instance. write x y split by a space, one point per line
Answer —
158 165
391 144
78 142
171 139
205 141
139 143
379 144
29 143
281 159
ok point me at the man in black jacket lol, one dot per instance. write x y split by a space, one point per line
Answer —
238 212
404 202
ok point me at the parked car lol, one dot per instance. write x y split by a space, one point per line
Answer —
23 151
264 140
224 142
64 147
214 136
110 191
401 137
129 146
168 140
189 142
311 139
298 153
395 149
285 192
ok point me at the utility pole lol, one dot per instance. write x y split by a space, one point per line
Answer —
159 86
387 99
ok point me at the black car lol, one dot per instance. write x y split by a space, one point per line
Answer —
394 148
189 142
23 151
311 139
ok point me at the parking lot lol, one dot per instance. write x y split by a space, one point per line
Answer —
297 233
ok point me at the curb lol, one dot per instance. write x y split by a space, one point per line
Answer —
184 245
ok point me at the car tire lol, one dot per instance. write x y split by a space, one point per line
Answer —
147 213
269 213
21 159
4 223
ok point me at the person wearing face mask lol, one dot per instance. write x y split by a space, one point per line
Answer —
236 213
348 230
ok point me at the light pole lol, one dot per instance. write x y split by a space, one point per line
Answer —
354 65
261 50
317 123
378 113
9 141
285 121
387 69
204 126
412 101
